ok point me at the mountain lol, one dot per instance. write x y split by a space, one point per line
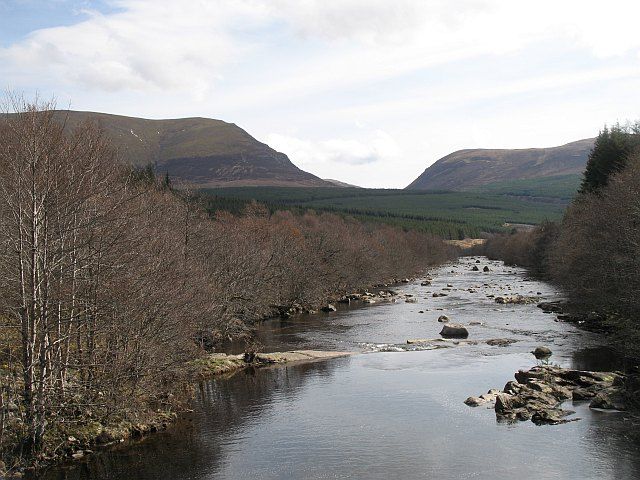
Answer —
200 151
338 183
470 169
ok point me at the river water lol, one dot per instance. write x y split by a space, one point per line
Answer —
388 412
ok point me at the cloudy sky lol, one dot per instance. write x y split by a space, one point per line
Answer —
366 91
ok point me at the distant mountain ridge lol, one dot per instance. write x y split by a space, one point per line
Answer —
473 168
200 151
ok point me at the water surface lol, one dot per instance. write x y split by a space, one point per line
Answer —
389 413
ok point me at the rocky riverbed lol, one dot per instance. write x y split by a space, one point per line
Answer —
402 393
538 394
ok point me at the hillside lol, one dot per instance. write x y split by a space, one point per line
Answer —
338 183
472 169
201 151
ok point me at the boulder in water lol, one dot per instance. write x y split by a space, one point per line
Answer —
542 352
500 342
475 401
454 330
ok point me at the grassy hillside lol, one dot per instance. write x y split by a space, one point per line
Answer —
201 152
449 214
472 169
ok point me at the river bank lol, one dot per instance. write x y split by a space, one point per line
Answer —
84 440
281 421
73 441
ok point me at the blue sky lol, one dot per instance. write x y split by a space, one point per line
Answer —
18 18
366 91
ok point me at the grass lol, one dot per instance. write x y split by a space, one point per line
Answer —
452 215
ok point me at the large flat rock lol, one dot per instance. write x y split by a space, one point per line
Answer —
301 355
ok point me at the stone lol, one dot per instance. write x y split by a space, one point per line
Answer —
512 388
411 300
475 269
516 300
475 401
506 403
550 307
582 394
329 308
443 319
454 330
542 352
539 392
552 417
608 399
485 269
540 387
500 342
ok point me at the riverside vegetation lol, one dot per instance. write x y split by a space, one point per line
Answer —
112 284
594 253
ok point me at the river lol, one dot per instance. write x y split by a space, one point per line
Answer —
389 412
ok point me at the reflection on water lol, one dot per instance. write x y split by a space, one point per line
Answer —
388 415
600 358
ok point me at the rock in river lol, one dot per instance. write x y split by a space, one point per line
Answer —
454 330
443 319
542 352
500 342
475 401
329 308
538 393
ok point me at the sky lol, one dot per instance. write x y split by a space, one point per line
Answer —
369 92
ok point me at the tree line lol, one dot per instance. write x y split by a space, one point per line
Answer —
111 282
594 253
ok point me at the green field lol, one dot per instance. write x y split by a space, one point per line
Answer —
448 214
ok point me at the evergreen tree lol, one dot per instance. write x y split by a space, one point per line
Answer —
609 155
166 182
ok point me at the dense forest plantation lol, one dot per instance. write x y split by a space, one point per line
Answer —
450 215
594 252
111 283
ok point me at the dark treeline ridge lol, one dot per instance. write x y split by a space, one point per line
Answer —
111 283
594 253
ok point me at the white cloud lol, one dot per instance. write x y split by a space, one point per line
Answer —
327 154
169 45
158 45
352 79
